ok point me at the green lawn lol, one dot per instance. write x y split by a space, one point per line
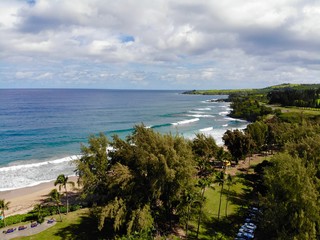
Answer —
77 225
74 223
226 226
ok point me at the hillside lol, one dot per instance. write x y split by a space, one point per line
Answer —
254 91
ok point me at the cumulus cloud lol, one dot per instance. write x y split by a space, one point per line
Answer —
180 44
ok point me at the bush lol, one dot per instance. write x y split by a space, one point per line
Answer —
34 215
16 219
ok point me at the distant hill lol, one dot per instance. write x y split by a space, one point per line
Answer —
254 91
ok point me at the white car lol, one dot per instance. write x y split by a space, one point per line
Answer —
247 230
250 226
245 235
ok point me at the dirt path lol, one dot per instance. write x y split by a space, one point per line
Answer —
245 165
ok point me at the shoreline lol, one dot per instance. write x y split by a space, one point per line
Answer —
22 200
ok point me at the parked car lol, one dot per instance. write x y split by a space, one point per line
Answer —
247 230
250 226
245 235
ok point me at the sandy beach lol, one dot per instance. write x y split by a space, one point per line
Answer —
23 200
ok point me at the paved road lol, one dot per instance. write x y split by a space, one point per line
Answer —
26 232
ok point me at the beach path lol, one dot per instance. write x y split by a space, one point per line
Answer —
26 232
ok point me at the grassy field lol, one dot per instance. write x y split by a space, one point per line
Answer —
76 225
227 226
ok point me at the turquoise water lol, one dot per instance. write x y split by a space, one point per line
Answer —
41 130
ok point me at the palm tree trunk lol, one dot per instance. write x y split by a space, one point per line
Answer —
220 200
4 218
226 210
59 213
200 211
67 199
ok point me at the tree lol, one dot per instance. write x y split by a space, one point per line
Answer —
229 182
140 183
258 132
55 198
38 208
190 199
291 202
203 183
62 181
238 143
204 149
220 179
204 146
4 206
92 169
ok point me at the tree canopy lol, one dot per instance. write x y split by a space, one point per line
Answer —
140 182
291 201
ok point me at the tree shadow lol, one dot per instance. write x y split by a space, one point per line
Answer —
86 229
229 226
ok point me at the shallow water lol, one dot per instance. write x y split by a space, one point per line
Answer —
41 130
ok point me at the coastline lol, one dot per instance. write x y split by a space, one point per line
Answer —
22 200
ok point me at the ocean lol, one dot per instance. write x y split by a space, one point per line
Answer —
41 130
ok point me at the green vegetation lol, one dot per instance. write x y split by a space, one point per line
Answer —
238 143
151 185
139 186
294 97
75 225
82 225
63 181
220 92
254 91
3 207
248 108
290 199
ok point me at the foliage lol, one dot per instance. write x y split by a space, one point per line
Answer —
55 197
291 202
308 149
258 132
238 143
258 91
248 108
204 149
295 97
16 219
3 207
62 181
139 184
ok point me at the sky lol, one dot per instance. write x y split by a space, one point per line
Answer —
158 44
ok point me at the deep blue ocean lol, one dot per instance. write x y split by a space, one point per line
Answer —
41 130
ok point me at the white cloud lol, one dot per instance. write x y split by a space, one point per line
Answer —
184 42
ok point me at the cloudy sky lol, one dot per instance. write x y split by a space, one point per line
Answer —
158 44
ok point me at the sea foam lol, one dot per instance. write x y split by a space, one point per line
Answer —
31 174
186 121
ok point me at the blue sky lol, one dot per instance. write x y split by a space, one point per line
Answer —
180 44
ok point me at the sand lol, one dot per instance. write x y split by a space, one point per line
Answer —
23 200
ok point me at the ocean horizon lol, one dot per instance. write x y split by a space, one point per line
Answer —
41 130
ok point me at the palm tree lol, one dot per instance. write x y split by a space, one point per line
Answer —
4 206
220 178
203 183
62 181
229 182
55 198
38 208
